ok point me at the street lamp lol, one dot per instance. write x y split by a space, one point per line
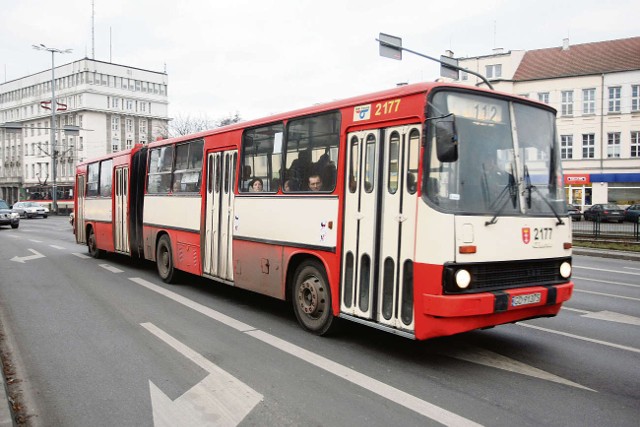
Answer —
54 106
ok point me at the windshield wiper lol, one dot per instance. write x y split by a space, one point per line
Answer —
510 189
530 187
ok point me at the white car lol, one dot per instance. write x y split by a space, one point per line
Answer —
30 209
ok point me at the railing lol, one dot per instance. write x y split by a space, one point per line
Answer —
606 230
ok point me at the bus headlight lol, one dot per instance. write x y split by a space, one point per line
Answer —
565 270
463 279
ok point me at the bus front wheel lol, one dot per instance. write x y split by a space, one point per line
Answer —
164 260
311 297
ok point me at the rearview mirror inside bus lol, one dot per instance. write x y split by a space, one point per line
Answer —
446 140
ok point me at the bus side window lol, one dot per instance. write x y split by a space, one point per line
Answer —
261 158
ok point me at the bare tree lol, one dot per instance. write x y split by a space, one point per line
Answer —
187 124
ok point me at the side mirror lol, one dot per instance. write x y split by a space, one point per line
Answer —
446 140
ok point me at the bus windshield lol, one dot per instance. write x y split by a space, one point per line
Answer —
506 158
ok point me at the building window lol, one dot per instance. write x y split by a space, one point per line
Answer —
588 146
614 99
115 124
543 97
635 143
635 97
566 150
463 76
129 143
588 101
129 125
613 145
567 102
115 102
143 126
493 71
115 145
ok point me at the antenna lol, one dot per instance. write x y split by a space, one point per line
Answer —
93 29
495 30
110 56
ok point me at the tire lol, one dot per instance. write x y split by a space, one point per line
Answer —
15 225
44 216
164 260
92 245
311 298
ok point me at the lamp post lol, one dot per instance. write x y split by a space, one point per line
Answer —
54 106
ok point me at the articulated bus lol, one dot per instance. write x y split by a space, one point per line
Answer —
426 210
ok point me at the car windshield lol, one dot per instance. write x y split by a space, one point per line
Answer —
3 205
507 160
611 206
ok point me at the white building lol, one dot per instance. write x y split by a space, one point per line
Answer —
596 89
114 105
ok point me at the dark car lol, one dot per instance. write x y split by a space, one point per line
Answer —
632 213
604 212
574 212
8 216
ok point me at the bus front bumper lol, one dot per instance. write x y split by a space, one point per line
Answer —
507 301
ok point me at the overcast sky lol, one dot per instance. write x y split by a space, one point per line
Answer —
263 57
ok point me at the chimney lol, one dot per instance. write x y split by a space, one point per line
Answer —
448 53
498 50
565 44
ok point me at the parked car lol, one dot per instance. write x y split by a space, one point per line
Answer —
8 216
632 213
574 212
30 209
604 212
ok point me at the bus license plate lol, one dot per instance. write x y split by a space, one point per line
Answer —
518 300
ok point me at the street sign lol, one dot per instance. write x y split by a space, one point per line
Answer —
446 70
390 46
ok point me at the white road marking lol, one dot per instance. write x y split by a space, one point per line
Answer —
400 397
611 316
111 268
494 360
420 406
35 255
607 271
564 308
82 256
220 399
606 295
35 241
57 247
606 281
578 337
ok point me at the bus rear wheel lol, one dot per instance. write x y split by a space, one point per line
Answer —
164 260
311 297
92 245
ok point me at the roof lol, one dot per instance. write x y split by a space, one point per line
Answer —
580 60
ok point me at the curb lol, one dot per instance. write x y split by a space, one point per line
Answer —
626 255
6 419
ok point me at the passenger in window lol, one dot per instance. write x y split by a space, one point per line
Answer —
291 185
315 183
255 186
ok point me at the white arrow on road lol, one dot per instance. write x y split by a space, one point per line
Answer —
220 399
35 255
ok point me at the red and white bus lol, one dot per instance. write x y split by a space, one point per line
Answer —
426 210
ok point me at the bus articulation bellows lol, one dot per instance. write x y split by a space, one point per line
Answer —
426 210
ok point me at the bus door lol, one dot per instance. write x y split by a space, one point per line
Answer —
398 226
78 222
219 220
360 217
379 225
120 210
